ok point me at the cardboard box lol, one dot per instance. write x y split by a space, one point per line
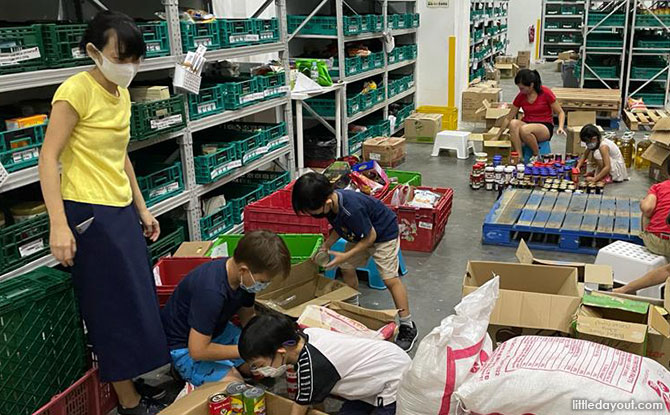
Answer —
473 97
195 249
617 322
494 113
568 55
497 147
422 127
523 58
506 70
515 70
658 156
577 120
530 296
149 93
505 59
195 403
387 151
304 286
492 74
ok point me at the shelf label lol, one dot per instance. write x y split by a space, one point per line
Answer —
267 35
251 97
206 107
77 53
12 58
253 153
4 176
244 38
425 225
279 141
25 155
203 42
153 47
166 122
375 156
225 168
31 248
275 91
169 188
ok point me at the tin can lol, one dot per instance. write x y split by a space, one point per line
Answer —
235 391
254 401
291 383
321 258
217 403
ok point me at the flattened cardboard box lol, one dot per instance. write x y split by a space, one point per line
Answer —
195 403
303 287
195 249
384 150
530 296
422 127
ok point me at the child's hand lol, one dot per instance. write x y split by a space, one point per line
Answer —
339 258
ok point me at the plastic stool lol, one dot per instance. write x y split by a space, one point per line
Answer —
629 262
453 140
544 147
374 279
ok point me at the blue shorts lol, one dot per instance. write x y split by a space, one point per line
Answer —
201 371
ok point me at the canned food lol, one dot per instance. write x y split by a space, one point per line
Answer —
236 393
254 401
321 258
218 403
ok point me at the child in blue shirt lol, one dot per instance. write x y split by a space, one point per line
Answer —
371 230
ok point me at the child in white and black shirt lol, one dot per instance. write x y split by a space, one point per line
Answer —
363 372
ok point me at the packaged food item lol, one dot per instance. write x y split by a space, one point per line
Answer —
235 392
218 403
254 401
27 210
23 122
325 318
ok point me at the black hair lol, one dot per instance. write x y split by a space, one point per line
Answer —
310 192
527 77
265 334
588 132
264 251
130 41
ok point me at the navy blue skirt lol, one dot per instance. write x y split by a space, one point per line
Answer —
117 295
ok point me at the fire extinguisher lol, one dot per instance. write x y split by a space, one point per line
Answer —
531 33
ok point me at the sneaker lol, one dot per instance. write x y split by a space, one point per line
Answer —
145 407
407 337
148 391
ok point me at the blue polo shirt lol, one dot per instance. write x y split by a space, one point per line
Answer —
203 300
358 213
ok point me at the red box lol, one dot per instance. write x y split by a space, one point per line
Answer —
421 229
275 213
87 396
171 271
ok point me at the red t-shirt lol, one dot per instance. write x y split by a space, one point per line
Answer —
538 111
657 222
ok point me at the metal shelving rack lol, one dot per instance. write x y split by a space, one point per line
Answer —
487 40
615 7
638 54
342 40
190 197
565 24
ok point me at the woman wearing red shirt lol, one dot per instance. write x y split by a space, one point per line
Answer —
539 105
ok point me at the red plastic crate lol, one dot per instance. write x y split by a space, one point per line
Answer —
171 271
275 213
422 228
87 396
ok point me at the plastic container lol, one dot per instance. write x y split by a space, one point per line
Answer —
20 148
24 211
217 223
275 213
23 242
149 119
642 146
238 32
170 273
87 396
211 167
412 178
196 34
268 30
163 182
240 195
270 181
168 243
301 246
240 92
208 102
61 45
324 25
156 37
24 48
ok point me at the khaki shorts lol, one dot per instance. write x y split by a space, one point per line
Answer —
655 244
385 255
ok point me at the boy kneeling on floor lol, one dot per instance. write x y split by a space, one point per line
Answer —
364 372
196 318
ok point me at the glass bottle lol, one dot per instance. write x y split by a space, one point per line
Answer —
627 149
641 147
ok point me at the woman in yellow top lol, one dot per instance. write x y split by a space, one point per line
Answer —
98 217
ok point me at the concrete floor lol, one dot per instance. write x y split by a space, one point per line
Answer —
434 280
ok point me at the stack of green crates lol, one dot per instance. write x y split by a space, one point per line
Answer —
597 66
270 181
658 42
652 95
651 20
301 246
25 46
604 40
239 195
23 242
213 225
43 347
151 118
615 19
20 148
173 234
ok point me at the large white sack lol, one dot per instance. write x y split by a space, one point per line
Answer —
447 356
553 375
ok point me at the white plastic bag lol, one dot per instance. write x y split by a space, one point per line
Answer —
325 318
557 375
449 355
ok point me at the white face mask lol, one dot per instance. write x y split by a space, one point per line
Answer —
121 74
272 372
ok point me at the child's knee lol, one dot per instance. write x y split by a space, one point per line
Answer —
392 282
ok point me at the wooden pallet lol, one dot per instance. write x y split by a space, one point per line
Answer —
605 101
643 119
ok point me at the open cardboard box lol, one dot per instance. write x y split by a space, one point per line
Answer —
658 153
493 114
195 403
304 286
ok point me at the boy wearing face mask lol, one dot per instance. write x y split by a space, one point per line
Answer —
371 230
364 372
196 318
611 165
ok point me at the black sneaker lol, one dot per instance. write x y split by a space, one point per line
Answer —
148 391
145 407
407 336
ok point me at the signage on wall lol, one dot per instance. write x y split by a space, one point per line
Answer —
437 3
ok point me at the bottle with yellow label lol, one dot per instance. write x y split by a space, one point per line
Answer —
641 147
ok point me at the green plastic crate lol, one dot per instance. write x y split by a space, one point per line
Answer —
22 49
403 113
238 32
651 20
20 148
394 86
168 243
552 24
324 25
375 22
647 69
413 20
601 40
602 70
325 107
23 242
381 128
652 42
616 19
274 135
162 181
196 34
239 195
301 246
61 45
239 93
268 30
411 52
412 178
352 66
249 145
651 98
354 105
272 85
376 60
356 141
397 21
156 37
569 10
211 167
270 181
151 118
221 221
394 55
43 347
208 102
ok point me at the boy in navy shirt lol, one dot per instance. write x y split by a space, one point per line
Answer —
371 230
196 318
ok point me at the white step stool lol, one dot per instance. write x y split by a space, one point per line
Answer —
453 140
629 262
